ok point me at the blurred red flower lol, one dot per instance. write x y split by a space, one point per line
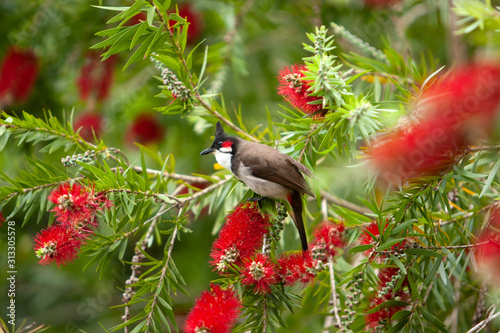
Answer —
380 3
240 236
96 76
260 273
215 311
195 19
57 243
295 90
145 129
454 114
18 73
89 123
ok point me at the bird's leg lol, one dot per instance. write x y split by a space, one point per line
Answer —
257 198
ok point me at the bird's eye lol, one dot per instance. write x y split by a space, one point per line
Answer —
220 143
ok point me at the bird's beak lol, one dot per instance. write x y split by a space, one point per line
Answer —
207 151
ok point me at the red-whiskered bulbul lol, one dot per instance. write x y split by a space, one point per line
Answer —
265 170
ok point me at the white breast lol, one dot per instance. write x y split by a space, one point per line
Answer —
261 186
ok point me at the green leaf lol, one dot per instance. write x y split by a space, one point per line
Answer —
390 243
402 226
140 53
491 176
424 252
140 31
360 248
432 319
387 304
401 314
115 9
399 264
151 16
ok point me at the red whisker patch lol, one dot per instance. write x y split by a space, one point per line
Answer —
227 144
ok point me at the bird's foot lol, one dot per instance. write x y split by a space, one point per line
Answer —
256 199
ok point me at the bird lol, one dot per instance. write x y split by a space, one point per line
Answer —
266 171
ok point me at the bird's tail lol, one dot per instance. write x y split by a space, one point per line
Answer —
295 200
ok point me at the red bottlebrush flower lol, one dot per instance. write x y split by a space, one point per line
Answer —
426 149
295 91
383 316
18 73
186 11
145 129
89 123
454 114
260 273
327 238
297 267
57 243
366 237
75 204
373 229
96 76
385 293
385 275
380 3
468 92
240 236
215 311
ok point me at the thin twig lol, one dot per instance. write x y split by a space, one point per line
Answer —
485 322
197 95
163 272
308 138
449 247
335 310
346 204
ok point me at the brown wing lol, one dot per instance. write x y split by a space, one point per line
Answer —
271 164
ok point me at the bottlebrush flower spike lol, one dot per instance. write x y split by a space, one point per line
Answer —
145 129
215 311
96 76
89 123
295 90
426 149
18 73
297 267
57 243
327 238
381 317
76 205
260 273
372 230
453 114
240 236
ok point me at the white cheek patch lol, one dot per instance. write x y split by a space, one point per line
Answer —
223 158
226 149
